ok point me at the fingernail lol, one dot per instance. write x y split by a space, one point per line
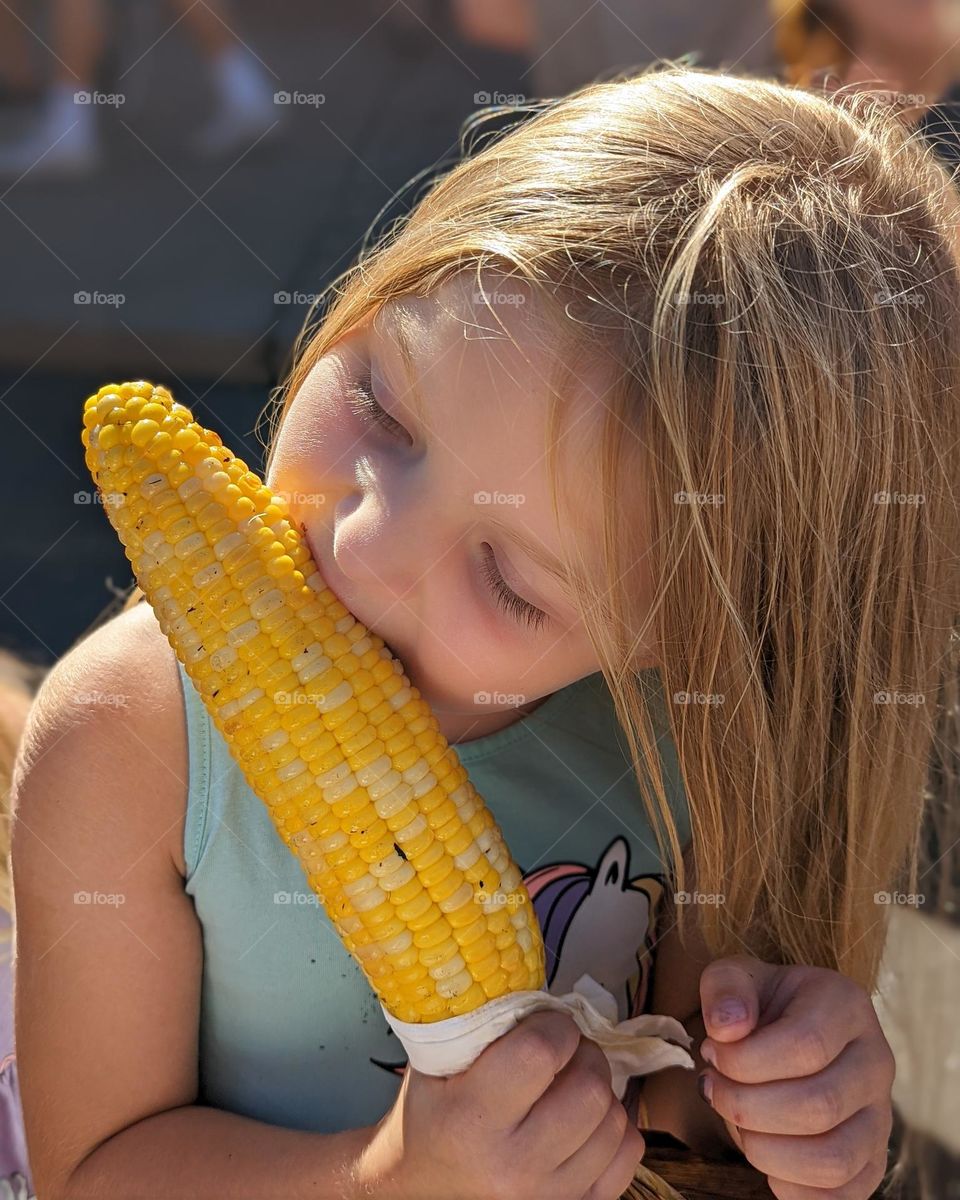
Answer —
727 1012
705 1087
707 1052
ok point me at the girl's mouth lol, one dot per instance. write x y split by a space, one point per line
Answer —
333 579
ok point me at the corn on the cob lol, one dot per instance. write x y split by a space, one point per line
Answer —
360 783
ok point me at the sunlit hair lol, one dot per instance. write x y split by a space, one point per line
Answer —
771 277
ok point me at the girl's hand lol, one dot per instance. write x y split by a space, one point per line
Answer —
535 1115
802 1077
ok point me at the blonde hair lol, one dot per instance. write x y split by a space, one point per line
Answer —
771 275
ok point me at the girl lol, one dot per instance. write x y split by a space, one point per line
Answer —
637 444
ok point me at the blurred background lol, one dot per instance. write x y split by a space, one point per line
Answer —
180 180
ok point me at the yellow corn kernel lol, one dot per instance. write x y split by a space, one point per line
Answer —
326 727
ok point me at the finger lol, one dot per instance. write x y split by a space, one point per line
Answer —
814 1104
570 1110
824 1014
825 1160
519 1067
731 994
577 1174
618 1176
862 1187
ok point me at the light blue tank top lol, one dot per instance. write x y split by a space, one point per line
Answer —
290 1031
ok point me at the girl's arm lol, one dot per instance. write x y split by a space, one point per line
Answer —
672 1101
109 950
197 1153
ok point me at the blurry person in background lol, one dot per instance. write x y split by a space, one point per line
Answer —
66 141
910 48
578 42
573 42
919 981
19 78
18 684
503 24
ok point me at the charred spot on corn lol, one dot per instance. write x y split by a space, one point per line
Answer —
327 729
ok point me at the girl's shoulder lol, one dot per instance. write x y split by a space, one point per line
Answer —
116 696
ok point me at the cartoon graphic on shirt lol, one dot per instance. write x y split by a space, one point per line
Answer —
597 921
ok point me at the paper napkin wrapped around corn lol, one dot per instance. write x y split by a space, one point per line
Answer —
404 855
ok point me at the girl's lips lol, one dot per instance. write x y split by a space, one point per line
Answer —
330 575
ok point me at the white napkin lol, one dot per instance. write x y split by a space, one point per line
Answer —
637 1046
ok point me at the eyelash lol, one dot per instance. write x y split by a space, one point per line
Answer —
506 597
363 402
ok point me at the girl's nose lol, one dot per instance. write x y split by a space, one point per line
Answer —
381 542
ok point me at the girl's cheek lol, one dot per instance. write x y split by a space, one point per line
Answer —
481 665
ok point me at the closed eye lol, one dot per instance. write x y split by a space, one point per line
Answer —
507 599
364 403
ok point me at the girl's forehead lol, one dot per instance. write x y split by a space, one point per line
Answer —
497 348
490 304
